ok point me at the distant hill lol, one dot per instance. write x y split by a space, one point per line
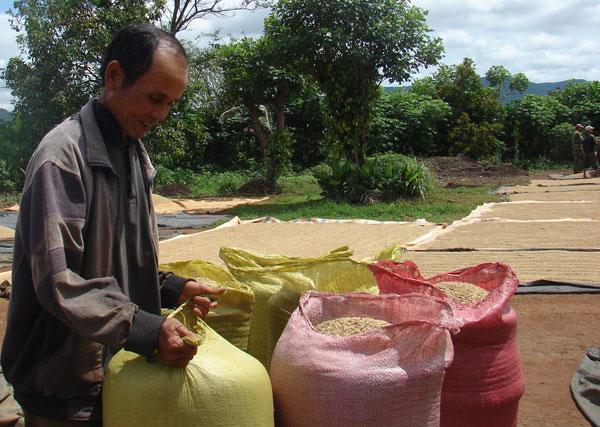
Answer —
5 115
541 89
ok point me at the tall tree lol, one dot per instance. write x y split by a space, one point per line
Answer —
62 43
505 82
255 77
406 121
477 114
533 119
583 99
349 47
61 47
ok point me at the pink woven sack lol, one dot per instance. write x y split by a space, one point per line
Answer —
484 383
389 376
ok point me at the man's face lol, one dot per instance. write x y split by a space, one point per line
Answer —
139 106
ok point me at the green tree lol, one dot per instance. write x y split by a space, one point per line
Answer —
534 119
349 47
477 114
506 83
254 77
583 100
61 47
62 43
406 121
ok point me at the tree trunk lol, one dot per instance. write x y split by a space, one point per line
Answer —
282 95
259 134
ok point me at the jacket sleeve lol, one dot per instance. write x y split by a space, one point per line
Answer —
52 221
171 285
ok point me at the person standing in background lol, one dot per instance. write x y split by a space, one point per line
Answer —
588 146
577 140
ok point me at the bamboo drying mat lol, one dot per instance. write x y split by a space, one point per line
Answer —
293 239
6 233
534 210
506 234
560 266
550 195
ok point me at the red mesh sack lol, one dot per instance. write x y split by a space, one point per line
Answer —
484 382
388 376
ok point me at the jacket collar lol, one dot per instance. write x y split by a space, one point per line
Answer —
96 153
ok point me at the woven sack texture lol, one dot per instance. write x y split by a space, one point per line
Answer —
485 381
390 376
281 279
221 386
233 316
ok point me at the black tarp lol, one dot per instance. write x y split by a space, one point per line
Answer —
179 220
553 287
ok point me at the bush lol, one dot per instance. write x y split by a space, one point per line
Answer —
7 184
410 178
211 182
388 177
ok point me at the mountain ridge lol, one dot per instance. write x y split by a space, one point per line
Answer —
541 89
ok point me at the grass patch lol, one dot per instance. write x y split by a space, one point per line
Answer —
442 205
9 199
300 198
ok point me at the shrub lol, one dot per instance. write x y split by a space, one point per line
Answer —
349 182
409 178
7 184
389 177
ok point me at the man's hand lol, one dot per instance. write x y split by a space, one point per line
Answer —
171 347
199 295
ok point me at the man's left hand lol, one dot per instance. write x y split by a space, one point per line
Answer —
200 296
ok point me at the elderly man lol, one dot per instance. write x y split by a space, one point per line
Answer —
589 151
85 265
577 140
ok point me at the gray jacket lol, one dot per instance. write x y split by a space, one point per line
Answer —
66 307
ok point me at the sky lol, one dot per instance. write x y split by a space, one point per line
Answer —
547 40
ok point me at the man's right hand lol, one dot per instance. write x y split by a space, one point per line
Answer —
171 347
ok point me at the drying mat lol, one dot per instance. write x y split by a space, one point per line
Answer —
575 180
558 266
215 204
533 210
208 205
292 239
6 233
554 196
162 205
505 234
534 189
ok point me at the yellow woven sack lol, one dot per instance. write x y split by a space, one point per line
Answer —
241 264
289 277
221 386
233 316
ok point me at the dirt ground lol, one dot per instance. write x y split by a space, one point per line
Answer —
463 171
561 325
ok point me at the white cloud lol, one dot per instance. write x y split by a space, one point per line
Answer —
8 49
238 24
547 40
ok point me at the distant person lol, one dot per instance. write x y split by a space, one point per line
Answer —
85 267
578 156
589 149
